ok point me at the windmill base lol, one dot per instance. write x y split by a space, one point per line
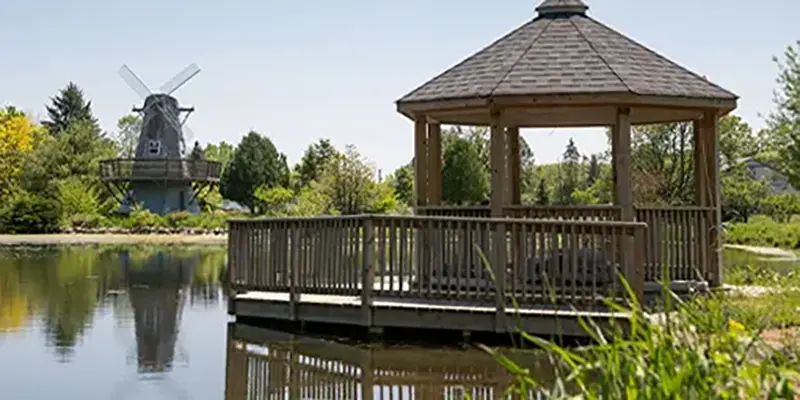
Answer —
161 200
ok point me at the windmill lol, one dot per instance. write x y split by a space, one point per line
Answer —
160 178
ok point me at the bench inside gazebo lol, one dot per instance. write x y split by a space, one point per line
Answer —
560 69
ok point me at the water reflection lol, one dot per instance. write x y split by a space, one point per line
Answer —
267 364
155 289
58 294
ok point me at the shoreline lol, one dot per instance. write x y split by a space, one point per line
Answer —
774 253
110 238
222 238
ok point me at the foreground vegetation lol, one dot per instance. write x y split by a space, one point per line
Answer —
720 346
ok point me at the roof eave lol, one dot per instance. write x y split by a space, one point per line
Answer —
416 107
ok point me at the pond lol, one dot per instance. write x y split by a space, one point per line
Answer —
144 322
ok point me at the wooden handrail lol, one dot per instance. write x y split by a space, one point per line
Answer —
418 257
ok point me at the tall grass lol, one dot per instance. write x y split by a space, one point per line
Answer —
699 350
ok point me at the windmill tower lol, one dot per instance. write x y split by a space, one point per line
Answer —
160 178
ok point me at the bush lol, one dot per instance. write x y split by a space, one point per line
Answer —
23 212
764 231
142 219
182 219
87 221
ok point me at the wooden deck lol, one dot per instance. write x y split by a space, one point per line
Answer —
387 313
460 273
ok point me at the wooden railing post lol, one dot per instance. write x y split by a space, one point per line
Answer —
499 265
294 267
368 270
636 271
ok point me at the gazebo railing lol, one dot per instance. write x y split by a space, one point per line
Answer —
479 260
677 238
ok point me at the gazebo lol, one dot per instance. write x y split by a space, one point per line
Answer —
565 69
456 268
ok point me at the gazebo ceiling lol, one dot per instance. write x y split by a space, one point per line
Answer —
564 68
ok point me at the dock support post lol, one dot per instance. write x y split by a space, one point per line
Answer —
368 270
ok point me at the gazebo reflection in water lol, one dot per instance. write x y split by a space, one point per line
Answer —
267 364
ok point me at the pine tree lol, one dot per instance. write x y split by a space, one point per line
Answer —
542 197
784 122
594 170
197 152
69 106
568 174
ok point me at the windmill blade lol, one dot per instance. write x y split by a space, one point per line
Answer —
180 79
134 82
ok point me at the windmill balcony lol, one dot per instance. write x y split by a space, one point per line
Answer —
162 169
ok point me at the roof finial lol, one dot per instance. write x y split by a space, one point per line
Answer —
560 7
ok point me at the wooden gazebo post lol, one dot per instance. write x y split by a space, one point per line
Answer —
420 162
708 191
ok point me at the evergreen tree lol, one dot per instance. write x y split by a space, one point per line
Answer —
568 174
197 152
542 197
594 170
403 183
68 107
256 163
784 122
314 161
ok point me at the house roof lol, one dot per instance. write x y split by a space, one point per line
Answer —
564 51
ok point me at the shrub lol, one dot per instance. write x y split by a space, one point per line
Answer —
141 219
24 212
764 231
182 219
87 221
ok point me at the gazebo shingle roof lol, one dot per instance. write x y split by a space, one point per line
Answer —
564 51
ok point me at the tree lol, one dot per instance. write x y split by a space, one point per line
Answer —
542 196
221 153
594 170
528 173
129 127
661 158
197 151
742 196
18 136
77 151
256 163
348 181
69 106
784 123
465 179
314 161
569 174
402 181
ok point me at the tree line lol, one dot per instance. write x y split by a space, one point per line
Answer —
49 174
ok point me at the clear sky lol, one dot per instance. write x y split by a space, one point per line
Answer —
302 70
